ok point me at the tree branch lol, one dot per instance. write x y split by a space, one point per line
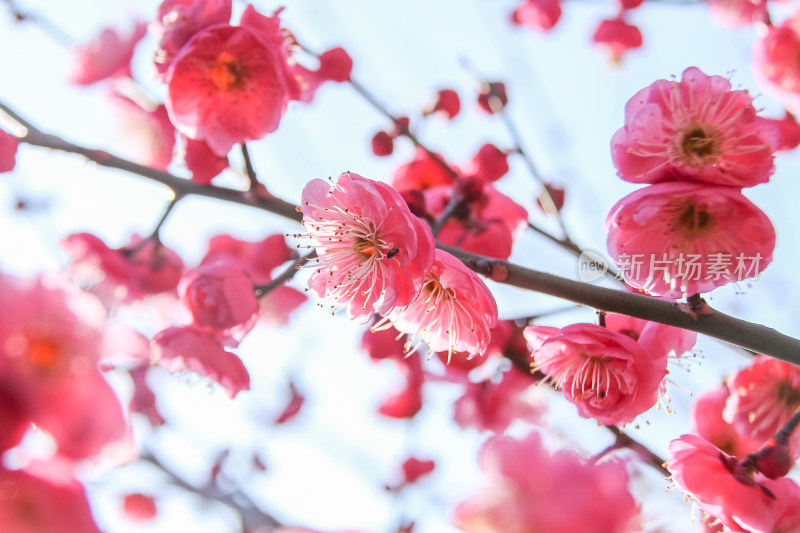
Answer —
732 330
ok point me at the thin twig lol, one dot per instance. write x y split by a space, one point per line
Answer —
248 166
286 275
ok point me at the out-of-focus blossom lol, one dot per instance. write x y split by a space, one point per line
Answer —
775 63
178 349
177 21
695 129
763 397
139 507
493 404
107 55
203 163
230 84
414 468
372 252
382 144
49 352
530 489
721 486
422 173
492 96
540 15
149 134
447 102
38 502
788 132
676 239
407 401
142 268
736 13
607 375
489 164
8 151
708 423
292 407
617 37
453 312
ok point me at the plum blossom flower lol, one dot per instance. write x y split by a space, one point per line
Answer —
453 312
8 151
447 102
775 64
142 268
220 298
177 21
494 404
49 351
230 84
139 507
107 55
708 423
530 489
788 132
721 486
204 164
737 13
36 499
694 129
540 15
372 252
617 37
607 375
763 397
414 468
150 136
678 238
407 401
186 348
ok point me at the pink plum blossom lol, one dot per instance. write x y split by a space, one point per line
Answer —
677 238
788 132
495 403
736 13
720 485
231 84
407 401
150 136
447 103
204 164
694 129
453 312
617 37
177 21
373 254
708 423
414 468
38 501
775 64
763 397
107 55
139 507
540 15
489 164
142 268
421 173
529 489
220 297
8 151
178 349
607 375
49 352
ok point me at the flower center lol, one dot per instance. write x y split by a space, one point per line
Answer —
788 395
227 73
695 220
43 354
699 146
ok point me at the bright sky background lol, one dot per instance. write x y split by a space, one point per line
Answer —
326 468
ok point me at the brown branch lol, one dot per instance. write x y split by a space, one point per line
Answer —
286 275
718 325
252 517
724 327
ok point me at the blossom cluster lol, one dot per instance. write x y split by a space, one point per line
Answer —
734 463
375 256
698 143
